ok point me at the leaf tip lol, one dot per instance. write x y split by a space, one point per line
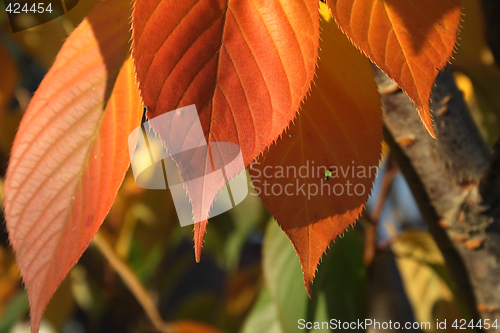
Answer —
308 285
35 320
199 234
430 129
425 116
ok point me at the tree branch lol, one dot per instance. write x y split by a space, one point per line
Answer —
445 176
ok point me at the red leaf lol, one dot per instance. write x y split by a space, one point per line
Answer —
246 65
409 40
339 128
70 155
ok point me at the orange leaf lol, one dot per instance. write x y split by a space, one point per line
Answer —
246 65
199 234
184 326
338 129
409 40
70 154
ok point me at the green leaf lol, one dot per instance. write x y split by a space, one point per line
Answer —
284 278
342 280
15 310
339 291
263 318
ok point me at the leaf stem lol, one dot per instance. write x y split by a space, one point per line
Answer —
133 283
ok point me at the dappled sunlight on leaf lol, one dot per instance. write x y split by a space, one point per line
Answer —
336 131
409 40
245 65
70 154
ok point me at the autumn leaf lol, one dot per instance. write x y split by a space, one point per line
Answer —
70 154
193 327
246 65
409 40
199 234
336 140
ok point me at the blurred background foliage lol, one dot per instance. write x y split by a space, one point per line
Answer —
386 268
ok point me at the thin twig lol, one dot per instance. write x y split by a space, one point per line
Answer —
374 217
133 283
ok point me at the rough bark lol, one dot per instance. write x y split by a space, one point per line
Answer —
456 183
